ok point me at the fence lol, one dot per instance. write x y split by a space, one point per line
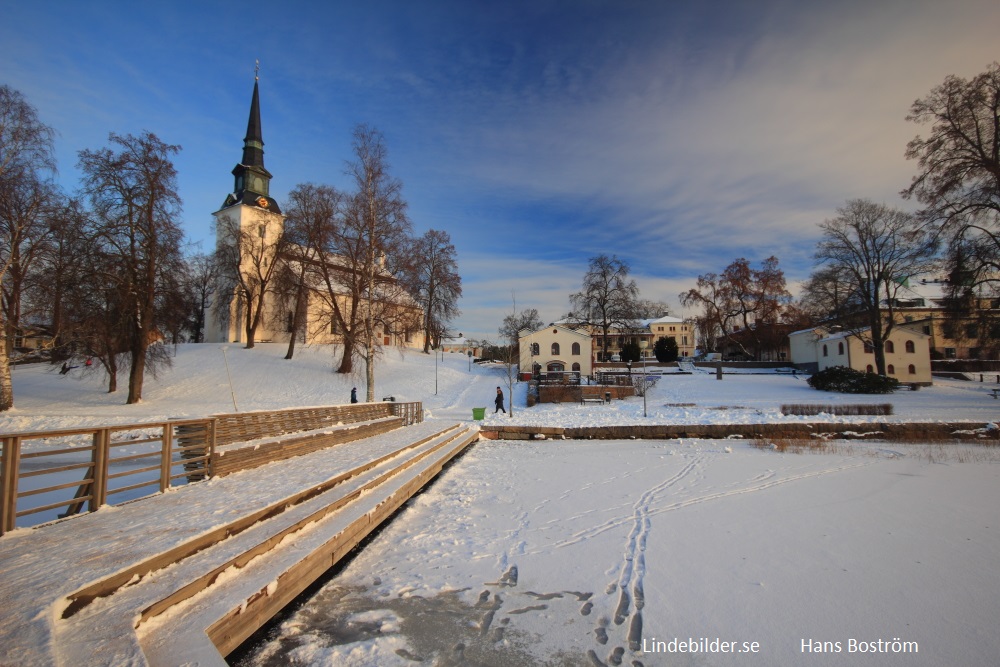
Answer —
40 470
46 475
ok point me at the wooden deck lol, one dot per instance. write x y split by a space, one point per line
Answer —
186 576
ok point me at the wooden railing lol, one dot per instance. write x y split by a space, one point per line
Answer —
39 470
42 472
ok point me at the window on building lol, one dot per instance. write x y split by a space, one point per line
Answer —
890 347
576 351
826 352
555 348
911 369
949 353
910 347
261 230
535 350
869 348
840 348
576 366
972 330
890 369
869 369
927 329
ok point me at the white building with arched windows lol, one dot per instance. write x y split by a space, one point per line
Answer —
555 349
907 352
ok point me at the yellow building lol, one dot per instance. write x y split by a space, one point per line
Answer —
907 352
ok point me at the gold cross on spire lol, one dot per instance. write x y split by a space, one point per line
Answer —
256 70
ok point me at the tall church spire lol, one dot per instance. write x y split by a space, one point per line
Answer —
252 185
253 143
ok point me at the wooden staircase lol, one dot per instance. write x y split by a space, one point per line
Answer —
194 596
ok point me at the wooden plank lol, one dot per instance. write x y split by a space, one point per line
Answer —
107 586
236 626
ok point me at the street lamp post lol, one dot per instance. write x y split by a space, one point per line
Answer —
643 344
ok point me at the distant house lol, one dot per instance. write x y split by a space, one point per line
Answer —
924 305
758 342
649 331
461 345
907 352
555 349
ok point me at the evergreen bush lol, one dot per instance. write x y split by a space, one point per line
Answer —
849 381
665 349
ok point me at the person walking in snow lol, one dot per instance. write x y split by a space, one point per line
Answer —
498 401
354 394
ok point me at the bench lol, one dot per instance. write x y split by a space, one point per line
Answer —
995 393
591 400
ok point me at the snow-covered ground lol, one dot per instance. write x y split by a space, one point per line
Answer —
622 552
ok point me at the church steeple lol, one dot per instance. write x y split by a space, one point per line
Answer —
252 184
253 143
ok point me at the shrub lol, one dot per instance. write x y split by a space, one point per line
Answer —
849 409
665 349
631 352
849 381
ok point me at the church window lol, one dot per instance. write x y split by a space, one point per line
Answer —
262 230
890 348
911 369
555 348
576 350
840 348
910 347
890 369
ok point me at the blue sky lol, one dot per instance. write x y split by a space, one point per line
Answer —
679 135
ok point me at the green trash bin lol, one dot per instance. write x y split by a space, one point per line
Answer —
479 413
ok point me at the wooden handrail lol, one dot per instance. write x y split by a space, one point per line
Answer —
188 443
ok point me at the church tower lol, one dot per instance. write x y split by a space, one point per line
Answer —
247 230
252 180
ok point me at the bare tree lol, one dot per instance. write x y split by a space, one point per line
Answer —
314 226
201 282
26 161
59 271
378 229
515 322
829 294
878 248
958 180
133 193
247 259
742 298
431 276
650 310
608 298
26 225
